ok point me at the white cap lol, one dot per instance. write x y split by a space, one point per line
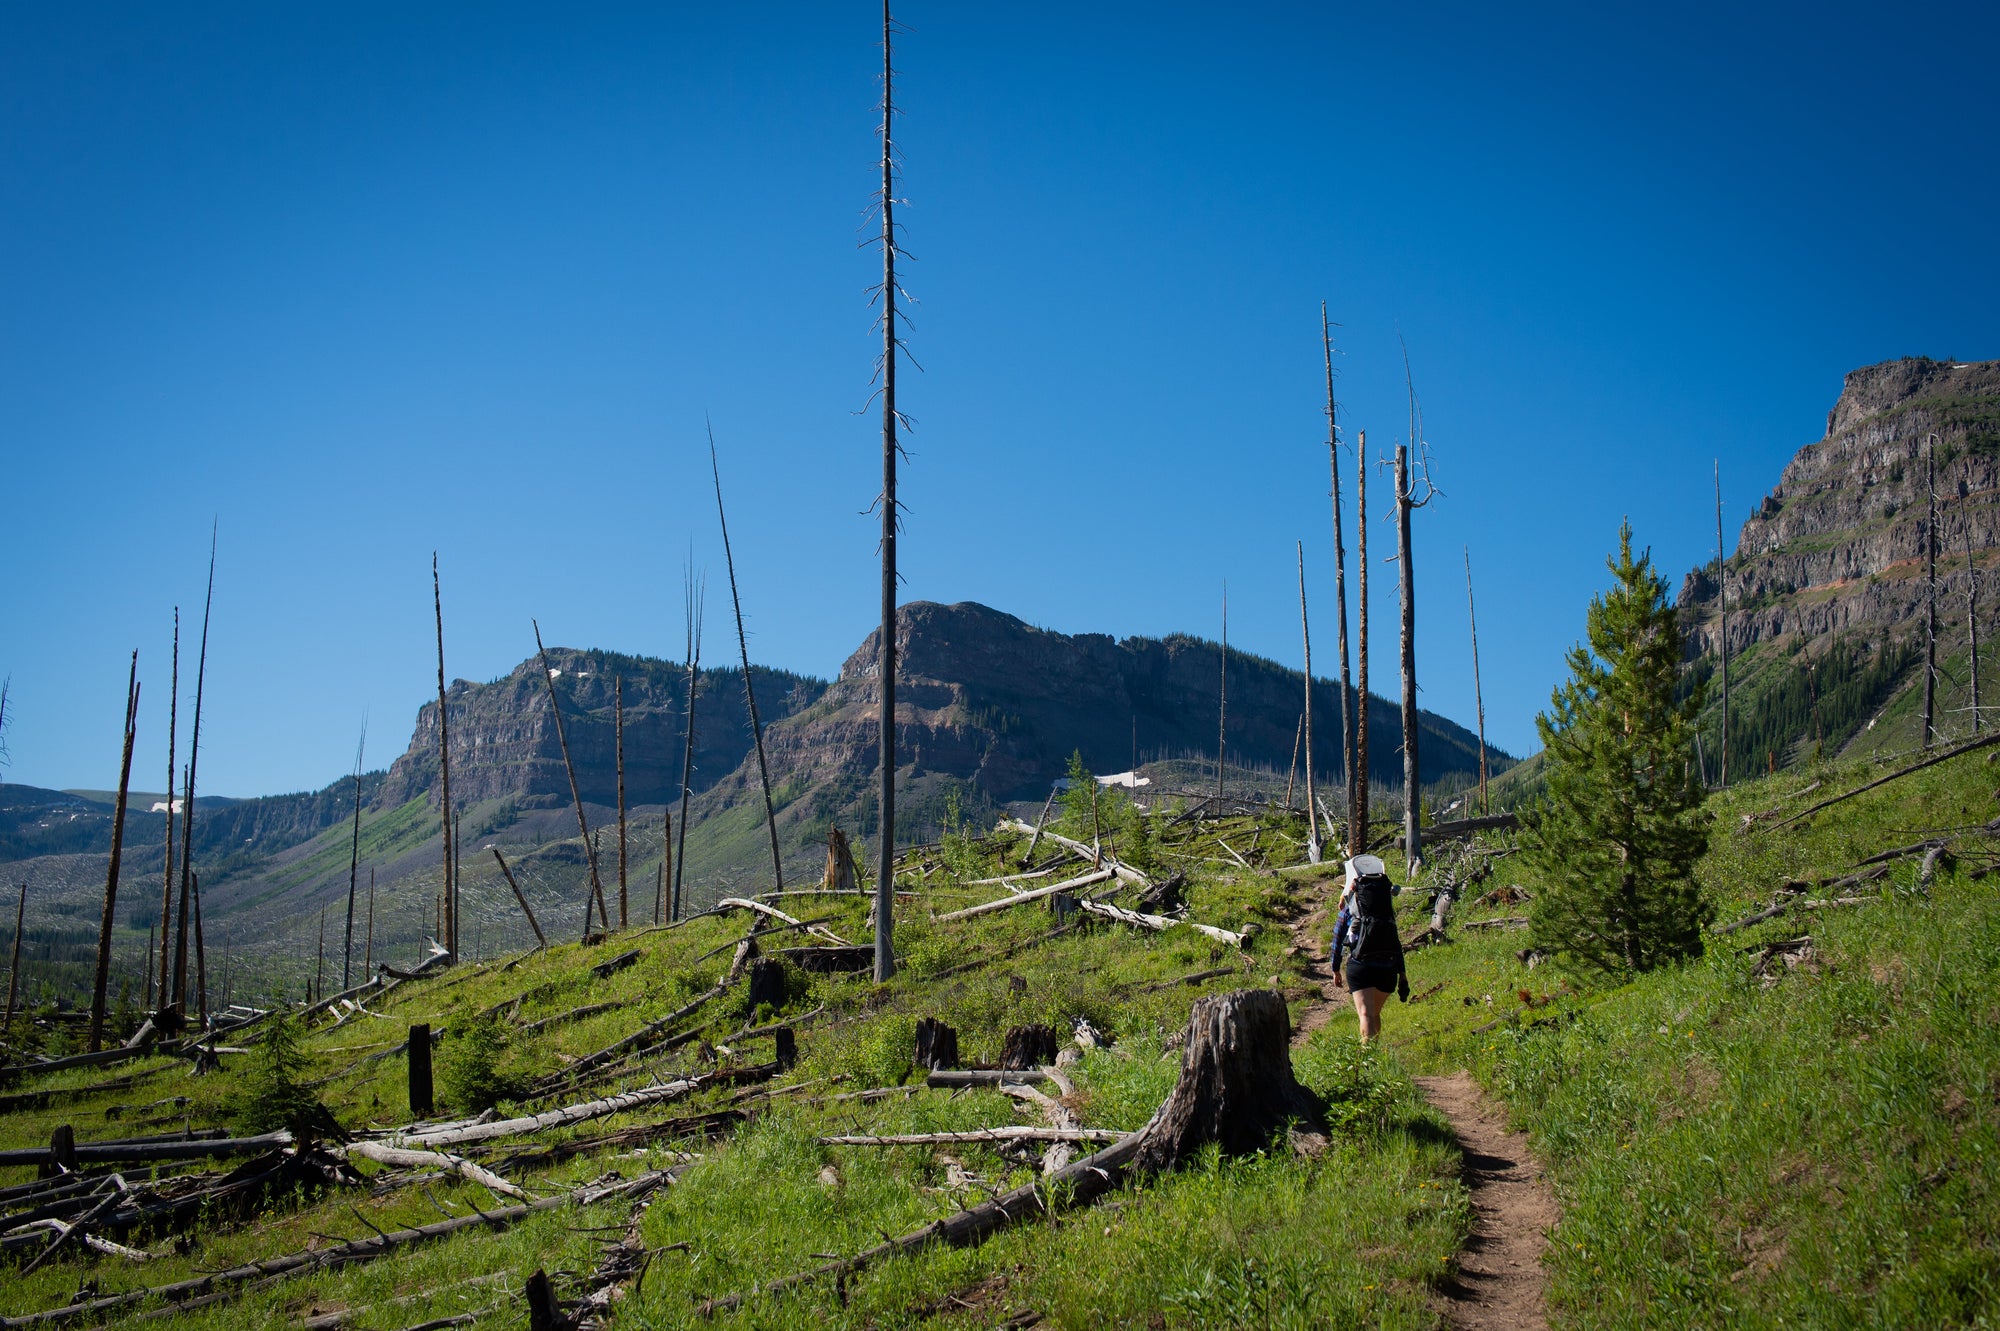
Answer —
1365 866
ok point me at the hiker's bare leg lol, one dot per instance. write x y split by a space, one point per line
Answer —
1368 1008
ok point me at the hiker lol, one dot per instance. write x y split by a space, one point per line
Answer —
1364 934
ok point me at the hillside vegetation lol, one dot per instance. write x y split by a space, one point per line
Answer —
1783 1131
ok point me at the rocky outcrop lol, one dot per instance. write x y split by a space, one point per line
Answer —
1838 545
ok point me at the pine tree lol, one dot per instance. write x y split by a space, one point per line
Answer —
1618 833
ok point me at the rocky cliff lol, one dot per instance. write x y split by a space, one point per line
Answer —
1826 587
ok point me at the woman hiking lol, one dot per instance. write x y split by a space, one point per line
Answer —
1364 935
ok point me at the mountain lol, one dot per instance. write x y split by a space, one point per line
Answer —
1827 588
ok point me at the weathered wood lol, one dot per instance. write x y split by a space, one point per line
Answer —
696 594
545 1311
556 1118
767 984
785 1048
404 1158
1029 1046
1236 1086
1160 923
103 974
1035 838
1465 827
1305 632
167 874
818 931
1932 761
450 939
1339 571
420 1068
829 960
179 999
604 970
1123 870
575 792
1358 774
1011 1133
749 694
70 1153
1033 894
937 1044
519 896
840 877
953 1079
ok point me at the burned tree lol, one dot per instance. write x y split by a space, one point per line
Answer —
450 930
749 694
1236 1086
1340 588
575 794
1722 605
179 999
353 864
1930 590
167 885
1358 783
696 596
1306 721
1406 503
103 975
618 725
1478 698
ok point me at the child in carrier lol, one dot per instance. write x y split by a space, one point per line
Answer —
1365 937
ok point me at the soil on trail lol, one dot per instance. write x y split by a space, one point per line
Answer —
1309 934
1499 1281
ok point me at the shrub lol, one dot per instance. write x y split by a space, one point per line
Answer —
476 1071
273 1093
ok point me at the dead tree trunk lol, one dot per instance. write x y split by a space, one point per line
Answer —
103 977
167 883
1222 697
696 596
450 929
1292 776
840 875
201 955
749 694
1026 1047
619 725
1339 584
319 968
937 1044
353 865
1358 783
14 967
420 1070
1236 1086
519 896
1478 698
1972 619
575 794
187 793
1930 591
1306 721
885 871
368 955
1722 604
1407 503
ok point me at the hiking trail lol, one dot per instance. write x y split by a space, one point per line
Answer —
1499 1282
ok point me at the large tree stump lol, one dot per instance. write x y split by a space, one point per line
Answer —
767 983
1028 1047
840 876
937 1044
420 1069
1236 1086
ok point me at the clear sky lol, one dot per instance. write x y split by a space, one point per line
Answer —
359 281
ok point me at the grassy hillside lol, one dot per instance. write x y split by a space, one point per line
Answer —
1737 1141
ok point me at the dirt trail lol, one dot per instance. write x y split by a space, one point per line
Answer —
1499 1282
1309 932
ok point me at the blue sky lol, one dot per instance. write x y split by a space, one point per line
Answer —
366 280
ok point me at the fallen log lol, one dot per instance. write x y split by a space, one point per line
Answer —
817 931
1188 980
1011 1133
141 1152
1022 898
1098 858
214 1287
574 1014
829 960
1465 827
554 1118
645 1034
953 1079
1160 923
403 1158
1504 922
604 970
1932 761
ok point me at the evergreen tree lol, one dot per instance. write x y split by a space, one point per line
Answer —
1618 833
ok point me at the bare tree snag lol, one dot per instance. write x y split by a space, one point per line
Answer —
103 976
173 757
1722 605
1028 855
1022 898
519 896
619 725
575 793
1478 698
1222 697
353 864
1358 782
767 983
1292 776
696 596
937 1045
885 871
1236 1086
1031 1046
201 953
1339 573
840 876
14 967
368 958
450 939
179 1000
1972 620
1306 722
1930 590
749 694
1407 503
420 1069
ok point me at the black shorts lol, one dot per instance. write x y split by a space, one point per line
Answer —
1371 975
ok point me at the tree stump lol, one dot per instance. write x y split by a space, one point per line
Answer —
62 1153
937 1044
787 1048
840 876
767 983
1236 1086
1028 1047
420 1069
545 1311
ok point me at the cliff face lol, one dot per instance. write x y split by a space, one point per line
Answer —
1839 543
994 701
1827 584
504 744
